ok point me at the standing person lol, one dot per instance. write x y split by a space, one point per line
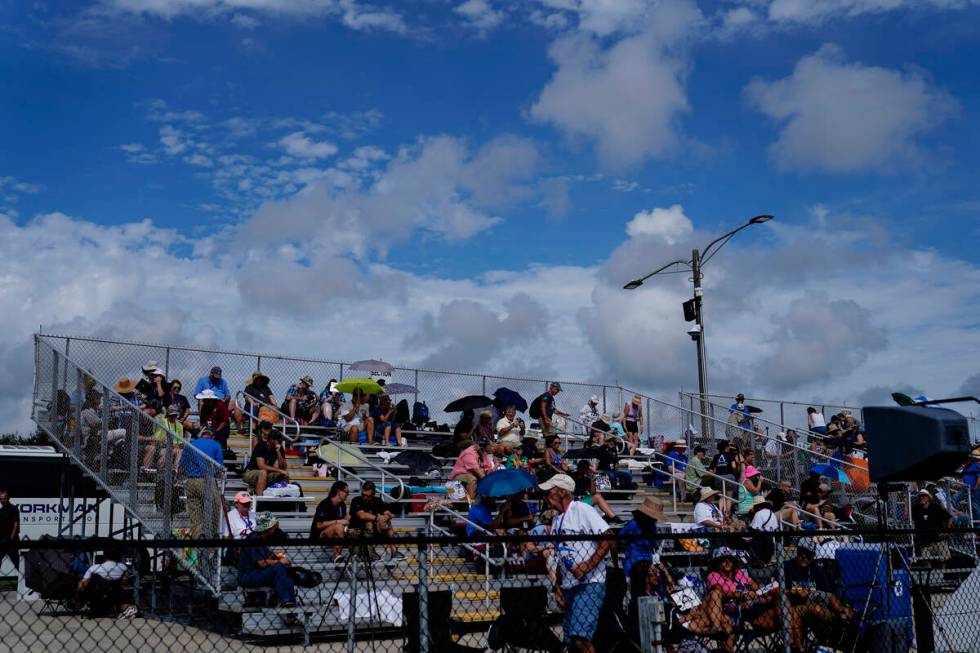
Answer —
203 498
739 406
815 421
546 409
633 420
330 519
971 487
590 413
238 521
370 515
9 529
581 564
267 465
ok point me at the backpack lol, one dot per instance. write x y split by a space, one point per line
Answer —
535 409
420 413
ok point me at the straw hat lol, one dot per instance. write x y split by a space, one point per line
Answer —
307 379
707 493
652 507
125 386
207 393
637 399
256 375
760 501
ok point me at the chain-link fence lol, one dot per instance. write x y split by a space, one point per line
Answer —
642 589
168 485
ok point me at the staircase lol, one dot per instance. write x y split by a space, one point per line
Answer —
104 434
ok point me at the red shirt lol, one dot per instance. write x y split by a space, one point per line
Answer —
217 415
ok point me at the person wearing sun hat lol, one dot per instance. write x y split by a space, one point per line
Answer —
633 419
707 515
301 403
259 566
644 522
750 485
581 565
258 389
214 415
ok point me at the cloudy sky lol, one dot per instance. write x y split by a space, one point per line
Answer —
468 184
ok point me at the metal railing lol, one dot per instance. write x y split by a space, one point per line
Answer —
244 402
115 444
489 562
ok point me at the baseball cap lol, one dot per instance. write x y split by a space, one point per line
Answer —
243 497
556 385
215 371
560 481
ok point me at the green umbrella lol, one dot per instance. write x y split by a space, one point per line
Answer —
903 399
367 386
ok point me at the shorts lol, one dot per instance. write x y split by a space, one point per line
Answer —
251 477
936 551
465 479
582 606
631 426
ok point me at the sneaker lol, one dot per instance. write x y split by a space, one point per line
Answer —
397 556
130 612
340 557
615 519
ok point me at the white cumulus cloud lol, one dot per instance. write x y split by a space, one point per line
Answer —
299 145
669 225
837 116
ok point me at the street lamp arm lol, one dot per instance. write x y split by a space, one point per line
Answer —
706 253
637 282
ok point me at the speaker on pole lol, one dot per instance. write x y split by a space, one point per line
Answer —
914 443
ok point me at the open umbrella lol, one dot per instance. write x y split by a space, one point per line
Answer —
400 389
754 409
507 397
377 368
505 482
584 454
832 473
367 386
335 454
469 402
419 462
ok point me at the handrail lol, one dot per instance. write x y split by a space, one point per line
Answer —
781 401
487 558
286 419
355 452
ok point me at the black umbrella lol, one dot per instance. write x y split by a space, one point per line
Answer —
470 402
419 462
754 409
584 454
507 397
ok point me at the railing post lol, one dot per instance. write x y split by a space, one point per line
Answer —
53 404
416 385
104 438
423 594
77 444
484 385
341 372
133 440
258 363
782 416
783 594
168 484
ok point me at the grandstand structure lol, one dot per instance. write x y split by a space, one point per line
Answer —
109 452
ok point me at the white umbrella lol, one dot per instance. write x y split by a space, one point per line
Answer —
373 367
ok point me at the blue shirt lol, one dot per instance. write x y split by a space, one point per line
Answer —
549 403
735 409
479 514
638 549
249 556
195 465
680 460
970 474
220 388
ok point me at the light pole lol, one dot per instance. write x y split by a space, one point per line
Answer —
698 259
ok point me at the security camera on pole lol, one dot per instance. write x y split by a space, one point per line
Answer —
693 307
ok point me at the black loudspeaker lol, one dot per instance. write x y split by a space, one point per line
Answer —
914 443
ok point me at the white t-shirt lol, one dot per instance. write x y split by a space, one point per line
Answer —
818 419
240 526
704 511
579 518
765 520
503 423
110 570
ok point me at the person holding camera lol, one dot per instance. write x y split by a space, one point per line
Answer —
510 427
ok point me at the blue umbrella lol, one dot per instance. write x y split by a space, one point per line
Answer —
505 482
507 397
832 473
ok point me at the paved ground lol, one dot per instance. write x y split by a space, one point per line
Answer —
23 630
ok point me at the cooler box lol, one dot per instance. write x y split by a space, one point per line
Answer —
860 479
864 577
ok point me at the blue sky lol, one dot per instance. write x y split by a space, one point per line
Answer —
437 169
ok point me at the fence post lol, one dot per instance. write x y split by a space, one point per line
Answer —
484 385
352 616
604 409
168 472
79 382
104 438
416 387
166 365
783 594
341 372
423 594
782 415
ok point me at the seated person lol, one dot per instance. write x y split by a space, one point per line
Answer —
537 556
480 516
369 515
515 515
553 462
258 566
238 521
650 577
786 510
330 519
607 461
331 402
473 463
644 522
707 514
510 428
301 403
267 464
258 394
811 594
354 421
585 491
101 586
740 599
386 430
156 451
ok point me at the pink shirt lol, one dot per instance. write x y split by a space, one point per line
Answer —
470 460
729 586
